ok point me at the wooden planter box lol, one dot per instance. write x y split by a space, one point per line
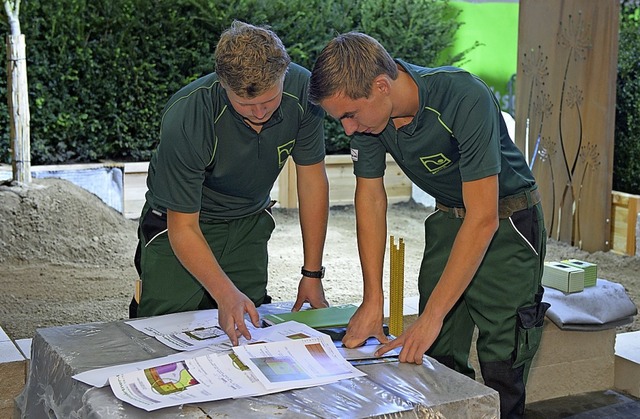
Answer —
342 182
624 220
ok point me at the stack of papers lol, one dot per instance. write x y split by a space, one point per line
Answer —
282 357
249 370
563 277
590 270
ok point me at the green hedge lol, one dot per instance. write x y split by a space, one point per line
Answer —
100 71
626 171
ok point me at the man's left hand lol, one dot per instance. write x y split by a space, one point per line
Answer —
310 291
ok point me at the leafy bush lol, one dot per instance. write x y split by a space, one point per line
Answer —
100 71
626 170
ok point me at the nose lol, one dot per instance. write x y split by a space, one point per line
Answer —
259 111
349 125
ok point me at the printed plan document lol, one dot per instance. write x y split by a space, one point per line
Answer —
248 370
285 331
189 330
277 358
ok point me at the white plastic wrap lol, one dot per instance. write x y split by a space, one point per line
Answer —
389 390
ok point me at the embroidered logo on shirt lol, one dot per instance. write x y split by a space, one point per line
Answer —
284 151
435 163
354 154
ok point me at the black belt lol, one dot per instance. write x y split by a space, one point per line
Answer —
506 206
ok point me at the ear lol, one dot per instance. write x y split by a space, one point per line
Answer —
382 84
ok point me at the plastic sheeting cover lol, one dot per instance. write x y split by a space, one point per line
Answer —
390 390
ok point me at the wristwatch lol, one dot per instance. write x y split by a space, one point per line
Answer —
313 274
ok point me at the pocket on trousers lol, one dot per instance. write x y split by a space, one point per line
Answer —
529 321
525 225
152 226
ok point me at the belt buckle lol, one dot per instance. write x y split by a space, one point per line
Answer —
458 212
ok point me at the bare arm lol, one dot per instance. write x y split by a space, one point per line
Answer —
471 243
313 198
371 220
193 251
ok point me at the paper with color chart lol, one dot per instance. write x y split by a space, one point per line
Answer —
248 371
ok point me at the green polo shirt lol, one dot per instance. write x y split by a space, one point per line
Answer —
458 135
210 160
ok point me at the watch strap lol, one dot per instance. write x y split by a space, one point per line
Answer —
312 274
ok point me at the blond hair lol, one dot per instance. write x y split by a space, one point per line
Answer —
249 59
348 65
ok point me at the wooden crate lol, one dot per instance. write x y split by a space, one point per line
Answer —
342 182
624 217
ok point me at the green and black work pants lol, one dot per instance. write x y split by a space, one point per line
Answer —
239 245
503 300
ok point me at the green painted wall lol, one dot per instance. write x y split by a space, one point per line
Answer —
495 26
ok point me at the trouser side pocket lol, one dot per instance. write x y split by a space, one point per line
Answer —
529 321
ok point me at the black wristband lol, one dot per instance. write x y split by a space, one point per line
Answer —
313 274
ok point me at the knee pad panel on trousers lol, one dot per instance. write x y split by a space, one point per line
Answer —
509 383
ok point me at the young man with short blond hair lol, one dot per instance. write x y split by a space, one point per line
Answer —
224 139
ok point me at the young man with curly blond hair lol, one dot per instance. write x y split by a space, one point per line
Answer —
224 139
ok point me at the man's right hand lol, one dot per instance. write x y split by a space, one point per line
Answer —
365 323
231 311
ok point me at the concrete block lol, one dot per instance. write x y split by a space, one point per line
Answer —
569 378
571 362
558 346
627 376
627 363
567 362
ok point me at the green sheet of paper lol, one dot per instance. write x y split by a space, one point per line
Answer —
334 316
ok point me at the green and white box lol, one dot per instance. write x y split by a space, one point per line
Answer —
590 270
563 277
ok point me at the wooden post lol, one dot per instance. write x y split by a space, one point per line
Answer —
18 95
18 101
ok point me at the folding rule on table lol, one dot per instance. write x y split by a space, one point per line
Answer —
396 285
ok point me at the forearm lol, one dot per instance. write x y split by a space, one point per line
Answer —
313 224
313 198
371 226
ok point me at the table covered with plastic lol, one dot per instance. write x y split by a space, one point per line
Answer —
389 389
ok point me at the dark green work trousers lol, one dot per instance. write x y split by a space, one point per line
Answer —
502 300
239 245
